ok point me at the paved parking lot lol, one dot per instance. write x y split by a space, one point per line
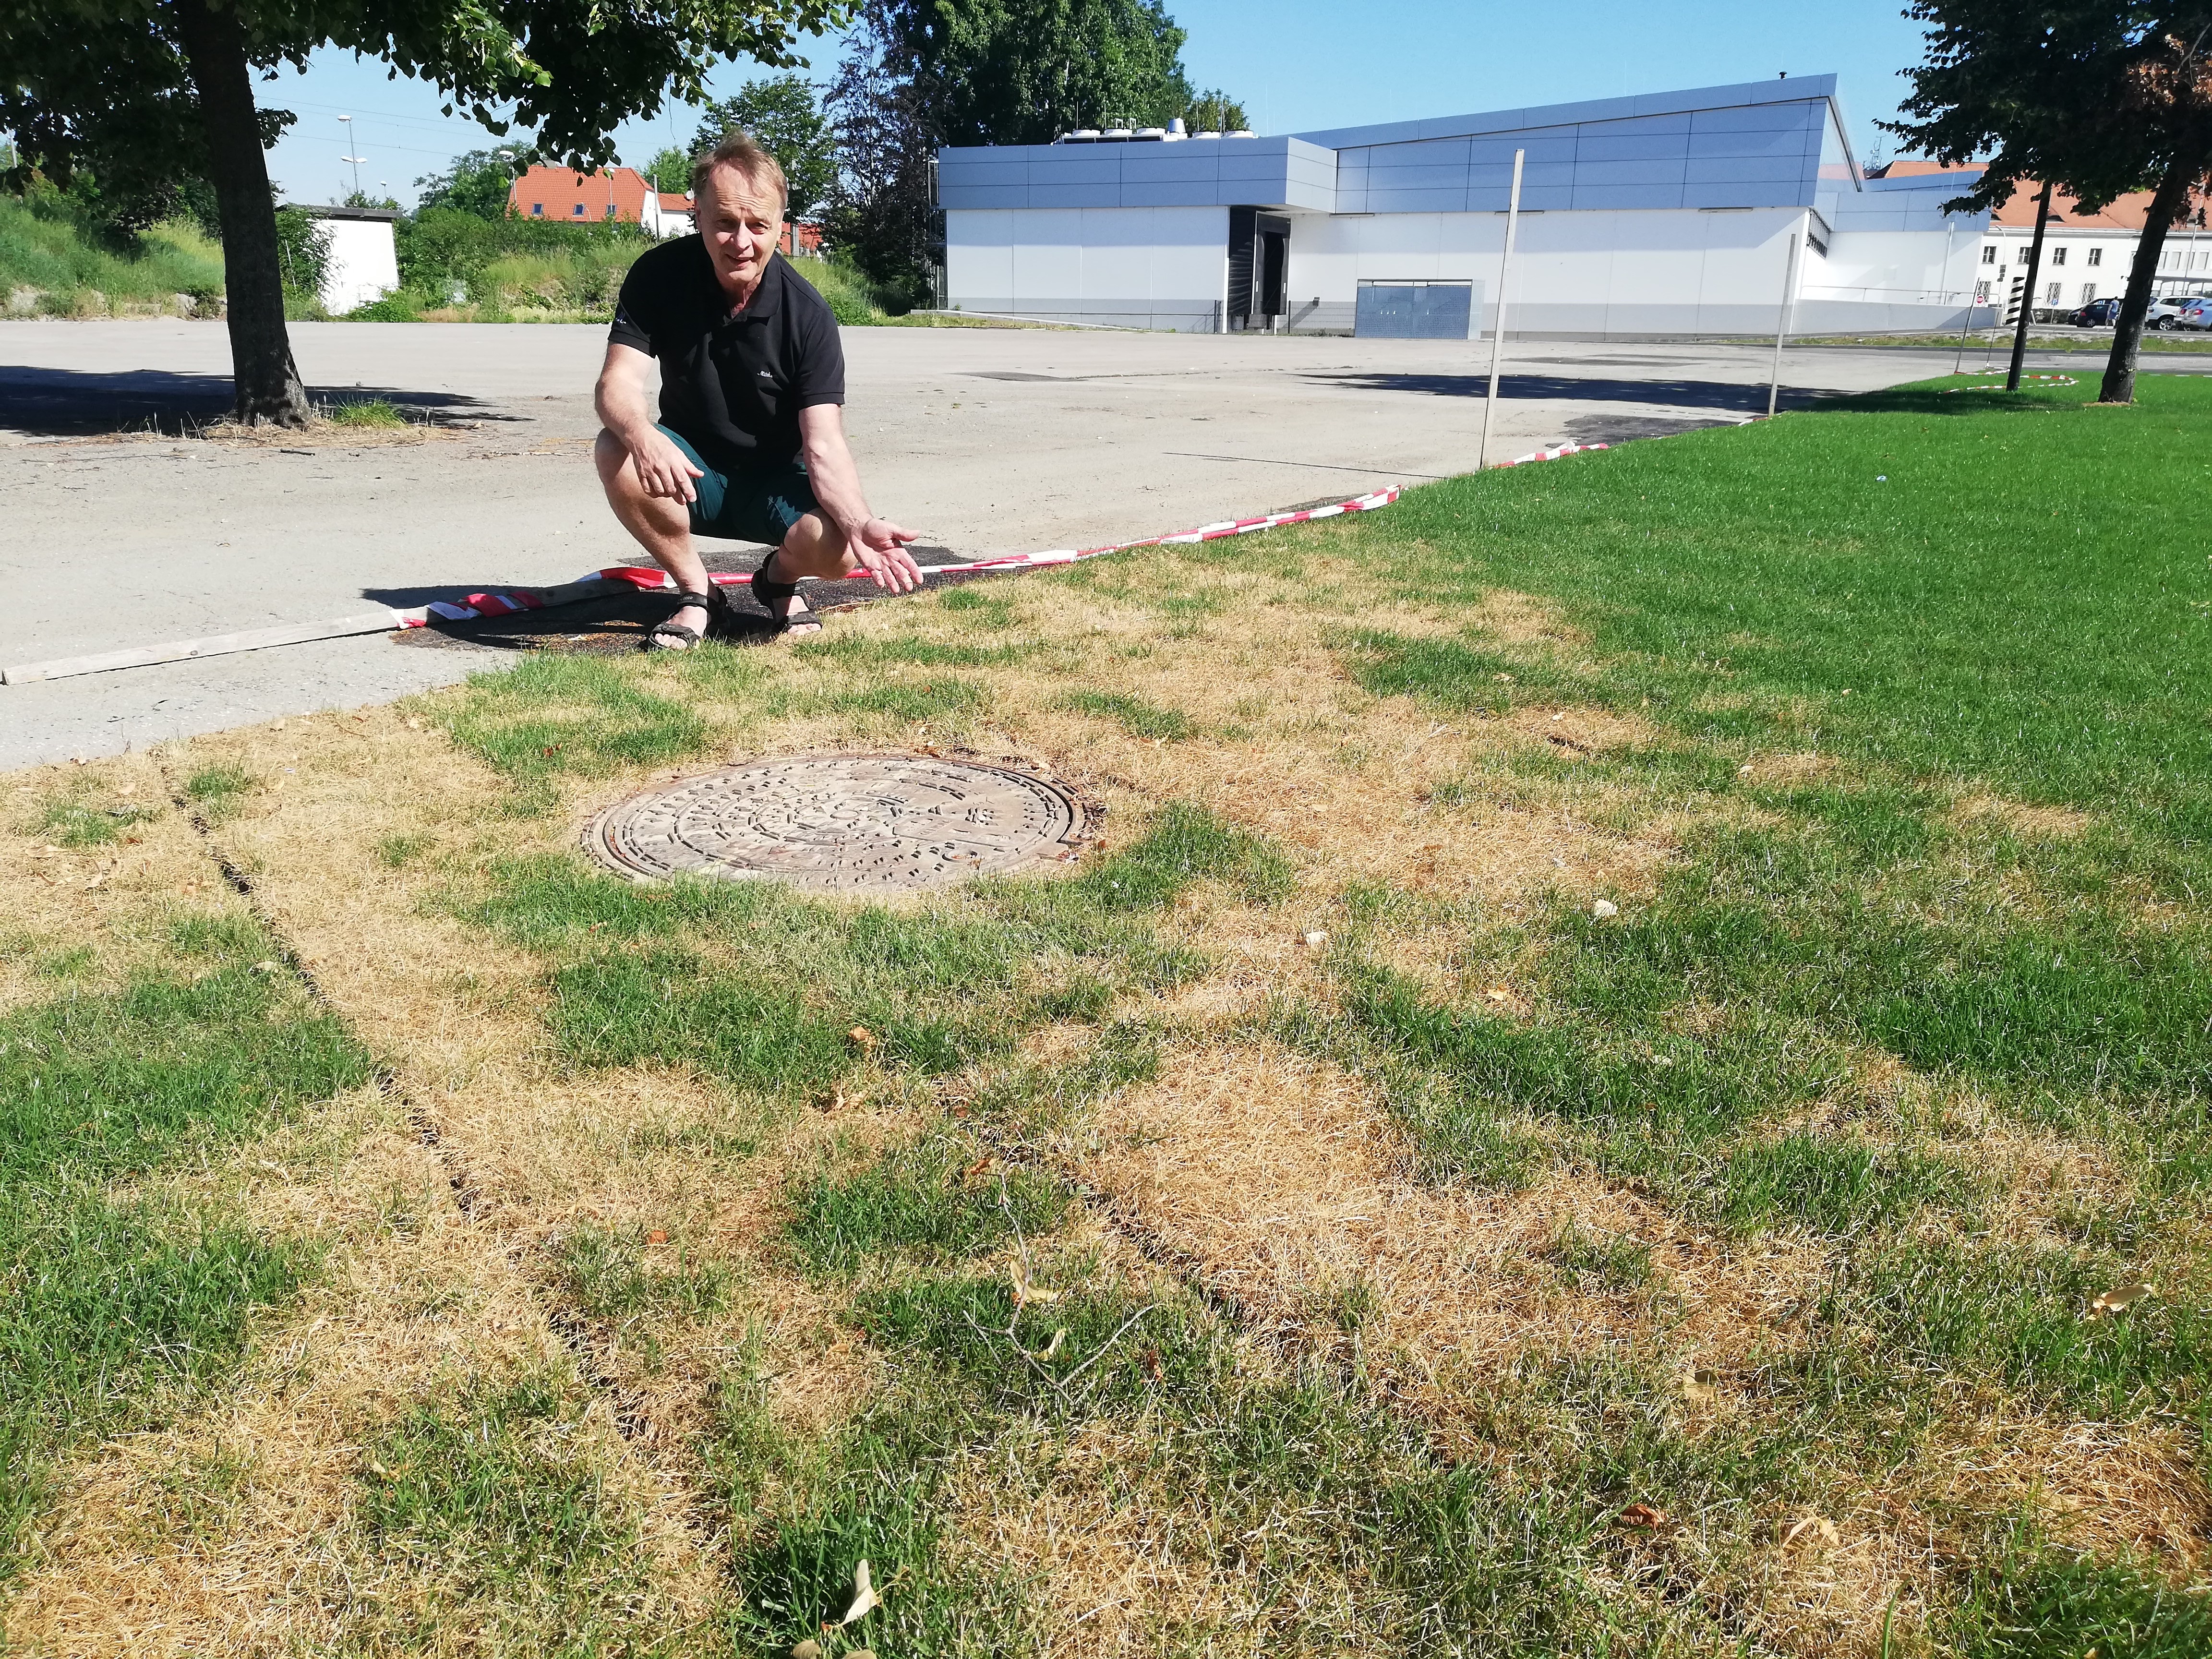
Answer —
983 440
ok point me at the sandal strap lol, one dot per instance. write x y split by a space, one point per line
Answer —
767 587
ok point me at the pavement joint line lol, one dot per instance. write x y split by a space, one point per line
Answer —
586 1344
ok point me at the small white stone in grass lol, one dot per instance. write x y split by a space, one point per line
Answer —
1558 717
1313 941
1605 910
1743 771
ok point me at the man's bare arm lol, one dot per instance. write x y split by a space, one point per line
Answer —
624 400
879 544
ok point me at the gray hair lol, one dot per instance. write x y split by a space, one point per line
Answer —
748 155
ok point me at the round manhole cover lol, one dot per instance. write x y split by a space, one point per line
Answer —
842 822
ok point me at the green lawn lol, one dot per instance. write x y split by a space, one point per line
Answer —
1763 890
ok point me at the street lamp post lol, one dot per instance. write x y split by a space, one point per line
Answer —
355 160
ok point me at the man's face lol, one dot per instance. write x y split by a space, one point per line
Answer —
740 219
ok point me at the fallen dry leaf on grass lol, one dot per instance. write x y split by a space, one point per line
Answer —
863 1038
1051 1347
2115 1301
1697 1388
1605 910
1315 940
810 1649
657 1235
1812 1529
1025 1292
1644 1516
863 1595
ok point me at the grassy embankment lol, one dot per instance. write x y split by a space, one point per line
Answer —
49 267
1755 1265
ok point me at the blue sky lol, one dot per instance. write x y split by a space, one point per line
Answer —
1296 64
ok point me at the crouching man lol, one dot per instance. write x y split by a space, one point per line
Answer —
750 442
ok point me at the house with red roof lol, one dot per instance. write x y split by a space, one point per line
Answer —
622 194
626 195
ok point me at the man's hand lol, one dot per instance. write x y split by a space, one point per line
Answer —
880 546
663 468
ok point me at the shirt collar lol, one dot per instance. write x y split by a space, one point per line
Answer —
768 297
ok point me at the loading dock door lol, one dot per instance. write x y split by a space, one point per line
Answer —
1415 311
1258 267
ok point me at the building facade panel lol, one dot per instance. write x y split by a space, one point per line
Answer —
1673 214
1607 145
1757 117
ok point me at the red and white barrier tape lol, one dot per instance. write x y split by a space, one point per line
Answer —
651 579
1555 454
382 619
1999 385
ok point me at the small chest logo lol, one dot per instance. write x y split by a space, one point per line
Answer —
764 375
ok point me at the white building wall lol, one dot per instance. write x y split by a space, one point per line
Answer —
1146 267
364 264
1885 279
1627 272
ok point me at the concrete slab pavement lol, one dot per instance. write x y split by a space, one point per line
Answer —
983 440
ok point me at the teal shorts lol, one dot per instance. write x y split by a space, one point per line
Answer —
747 507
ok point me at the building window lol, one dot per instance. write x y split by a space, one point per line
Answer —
2050 295
579 210
611 209
537 209
1990 254
2089 292
1981 292
2096 256
2058 256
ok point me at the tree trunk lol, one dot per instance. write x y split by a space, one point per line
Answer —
2027 289
267 381
2166 206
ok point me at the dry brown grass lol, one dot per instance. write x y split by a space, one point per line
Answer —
1279 1181
116 900
2028 822
1286 1179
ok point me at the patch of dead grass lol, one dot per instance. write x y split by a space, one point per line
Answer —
1286 1179
2029 823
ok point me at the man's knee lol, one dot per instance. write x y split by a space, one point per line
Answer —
816 546
611 456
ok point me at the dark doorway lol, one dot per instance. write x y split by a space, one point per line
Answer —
1259 268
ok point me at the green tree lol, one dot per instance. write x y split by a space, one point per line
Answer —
2097 99
669 171
1215 110
785 116
146 92
924 73
477 182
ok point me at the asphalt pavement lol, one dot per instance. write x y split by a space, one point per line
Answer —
123 529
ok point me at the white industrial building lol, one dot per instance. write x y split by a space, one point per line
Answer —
1673 214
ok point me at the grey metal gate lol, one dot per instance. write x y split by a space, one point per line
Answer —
1415 311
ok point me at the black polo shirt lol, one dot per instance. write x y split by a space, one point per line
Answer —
734 385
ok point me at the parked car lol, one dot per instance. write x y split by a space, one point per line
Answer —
2194 313
2165 310
2098 313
